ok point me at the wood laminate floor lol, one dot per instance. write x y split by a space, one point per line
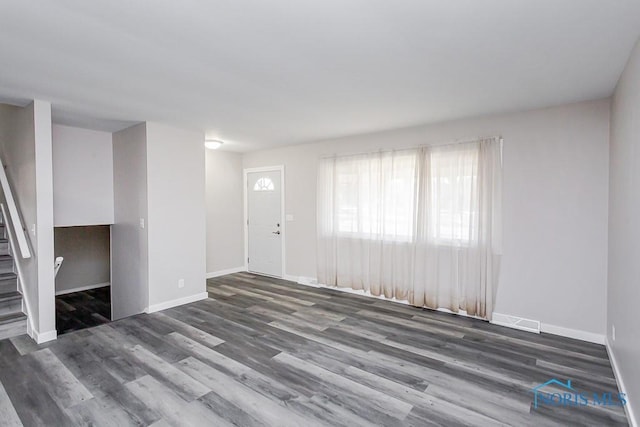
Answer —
263 351
84 309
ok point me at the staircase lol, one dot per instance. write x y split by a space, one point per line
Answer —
12 321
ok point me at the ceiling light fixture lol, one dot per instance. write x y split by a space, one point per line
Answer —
213 144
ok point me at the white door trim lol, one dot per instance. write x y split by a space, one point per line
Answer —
283 227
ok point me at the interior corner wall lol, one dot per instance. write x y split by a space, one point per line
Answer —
87 257
225 212
26 153
623 290
176 215
554 267
129 242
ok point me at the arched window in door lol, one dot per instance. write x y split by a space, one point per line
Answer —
264 184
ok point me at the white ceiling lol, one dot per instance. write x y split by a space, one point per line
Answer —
259 73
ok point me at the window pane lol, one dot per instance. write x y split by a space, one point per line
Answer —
375 195
453 205
264 184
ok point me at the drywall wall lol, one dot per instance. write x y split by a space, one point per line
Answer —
176 215
46 328
87 257
555 206
623 291
26 150
19 158
129 242
225 245
82 176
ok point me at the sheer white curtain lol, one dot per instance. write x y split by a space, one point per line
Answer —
420 224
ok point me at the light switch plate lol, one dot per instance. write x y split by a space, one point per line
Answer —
289 217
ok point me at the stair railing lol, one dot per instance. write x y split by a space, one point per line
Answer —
15 220
56 265
17 236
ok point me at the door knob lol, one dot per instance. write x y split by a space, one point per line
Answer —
276 232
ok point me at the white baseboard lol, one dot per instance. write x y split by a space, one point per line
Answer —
515 322
629 410
573 333
302 280
225 272
41 337
176 302
83 288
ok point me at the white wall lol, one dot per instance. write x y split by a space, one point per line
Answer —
129 242
225 245
87 256
555 205
18 156
27 154
44 220
176 211
82 176
623 292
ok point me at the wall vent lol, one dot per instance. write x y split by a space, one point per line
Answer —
516 322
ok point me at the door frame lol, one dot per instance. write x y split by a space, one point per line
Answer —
283 228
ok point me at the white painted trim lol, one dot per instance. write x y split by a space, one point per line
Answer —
544 327
573 333
516 322
43 337
283 225
621 386
177 302
83 288
225 272
14 216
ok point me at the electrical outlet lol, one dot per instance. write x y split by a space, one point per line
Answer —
613 332
181 283
141 222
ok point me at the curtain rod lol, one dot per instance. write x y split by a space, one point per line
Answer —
436 144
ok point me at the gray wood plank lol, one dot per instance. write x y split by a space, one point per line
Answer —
243 397
63 385
270 352
9 415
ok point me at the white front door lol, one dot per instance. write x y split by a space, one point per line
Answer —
264 214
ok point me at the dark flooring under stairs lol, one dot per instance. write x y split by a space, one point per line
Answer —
84 309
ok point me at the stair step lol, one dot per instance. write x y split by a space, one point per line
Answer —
12 317
10 296
8 282
6 264
10 275
12 325
10 302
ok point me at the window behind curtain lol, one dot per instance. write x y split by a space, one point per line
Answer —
377 196
452 208
422 225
